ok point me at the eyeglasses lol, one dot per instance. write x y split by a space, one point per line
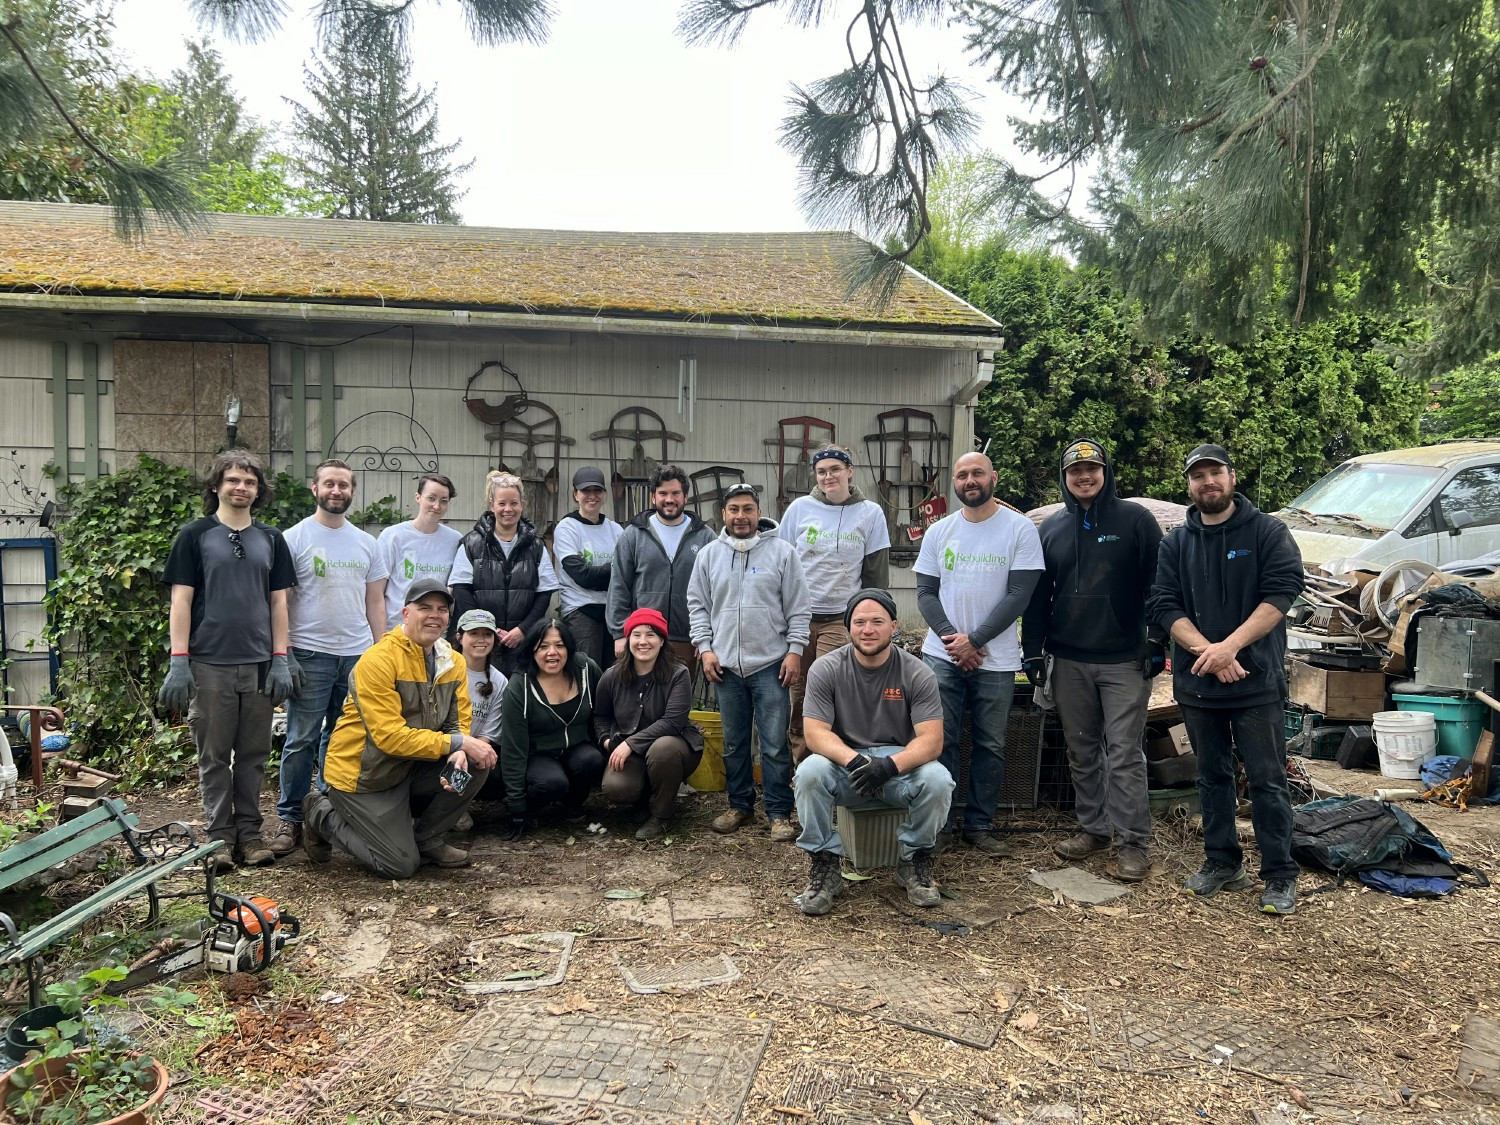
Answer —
239 547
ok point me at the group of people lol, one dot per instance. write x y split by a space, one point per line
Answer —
427 668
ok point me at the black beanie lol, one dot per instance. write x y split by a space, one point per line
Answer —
870 594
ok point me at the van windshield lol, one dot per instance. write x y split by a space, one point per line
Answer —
1377 495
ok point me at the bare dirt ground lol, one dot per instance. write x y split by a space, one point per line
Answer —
1154 1008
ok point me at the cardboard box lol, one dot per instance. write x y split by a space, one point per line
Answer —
1337 693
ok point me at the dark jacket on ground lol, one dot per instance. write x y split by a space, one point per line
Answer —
1090 602
645 710
504 585
1215 576
644 578
529 725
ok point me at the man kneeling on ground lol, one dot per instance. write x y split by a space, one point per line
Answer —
873 720
388 801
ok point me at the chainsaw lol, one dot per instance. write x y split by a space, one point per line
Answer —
240 935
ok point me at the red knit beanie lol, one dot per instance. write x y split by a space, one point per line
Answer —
646 616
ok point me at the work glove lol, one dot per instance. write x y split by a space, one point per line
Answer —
177 689
294 668
1036 671
869 775
515 827
279 680
1154 663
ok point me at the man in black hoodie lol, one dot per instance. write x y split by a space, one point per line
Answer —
1089 612
1224 583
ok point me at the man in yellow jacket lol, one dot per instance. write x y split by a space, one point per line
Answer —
405 721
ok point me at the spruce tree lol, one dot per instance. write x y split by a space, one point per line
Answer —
207 115
368 137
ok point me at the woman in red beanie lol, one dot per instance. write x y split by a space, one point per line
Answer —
641 722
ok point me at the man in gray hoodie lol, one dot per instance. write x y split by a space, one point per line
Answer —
749 614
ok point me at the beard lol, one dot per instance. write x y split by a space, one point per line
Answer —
1213 505
977 499
335 505
880 646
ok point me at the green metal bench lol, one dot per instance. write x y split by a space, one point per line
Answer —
156 854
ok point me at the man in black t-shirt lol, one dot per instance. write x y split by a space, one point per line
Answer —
229 575
873 721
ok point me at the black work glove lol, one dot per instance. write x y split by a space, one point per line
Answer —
869 775
1036 671
515 827
1154 663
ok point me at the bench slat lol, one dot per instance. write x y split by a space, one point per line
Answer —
100 834
59 838
39 937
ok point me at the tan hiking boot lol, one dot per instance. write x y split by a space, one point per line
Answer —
443 854
730 821
783 831
254 853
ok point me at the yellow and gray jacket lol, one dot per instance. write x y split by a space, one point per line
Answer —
397 714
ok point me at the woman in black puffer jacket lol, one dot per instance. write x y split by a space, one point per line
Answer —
503 566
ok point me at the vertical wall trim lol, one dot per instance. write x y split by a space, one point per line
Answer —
90 411
60 408
299 413
325 358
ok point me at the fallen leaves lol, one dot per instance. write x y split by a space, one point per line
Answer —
1027 1021
574 1003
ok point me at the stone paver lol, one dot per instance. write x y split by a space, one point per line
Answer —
649 978
523 1064
729 904
836 1093
1479 1064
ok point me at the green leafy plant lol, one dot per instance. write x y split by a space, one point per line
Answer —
23 823
383 513
107 615
291 501
72 1082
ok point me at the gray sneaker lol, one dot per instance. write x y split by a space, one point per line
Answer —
1279 897
1213 877
915 874
825 882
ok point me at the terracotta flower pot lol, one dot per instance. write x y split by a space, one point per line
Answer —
56 1083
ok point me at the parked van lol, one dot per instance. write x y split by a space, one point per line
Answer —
1437 503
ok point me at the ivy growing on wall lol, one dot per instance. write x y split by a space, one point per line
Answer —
107 615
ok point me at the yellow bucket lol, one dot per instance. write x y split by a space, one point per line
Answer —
709 776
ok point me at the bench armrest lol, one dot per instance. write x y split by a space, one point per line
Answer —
164 842
13 937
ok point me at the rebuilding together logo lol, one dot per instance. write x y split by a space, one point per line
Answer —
979 560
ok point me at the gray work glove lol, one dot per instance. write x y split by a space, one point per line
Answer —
295 670
177 689
279 680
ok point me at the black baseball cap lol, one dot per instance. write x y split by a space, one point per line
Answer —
736 491
1208 453
424 586
588 477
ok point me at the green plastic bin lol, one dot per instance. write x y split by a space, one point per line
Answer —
1460 720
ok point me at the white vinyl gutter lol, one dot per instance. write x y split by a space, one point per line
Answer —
984 371
312 313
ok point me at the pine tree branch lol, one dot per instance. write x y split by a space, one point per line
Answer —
8 28
1255 119
1135 34
1083 71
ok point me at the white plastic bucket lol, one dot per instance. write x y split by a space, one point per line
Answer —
1405 740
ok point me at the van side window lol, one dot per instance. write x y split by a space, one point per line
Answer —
1425 524
1475 491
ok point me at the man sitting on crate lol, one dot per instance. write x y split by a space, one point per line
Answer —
392 792
873 720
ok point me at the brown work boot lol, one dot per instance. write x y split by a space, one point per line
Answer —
318 849
444 854
254 853
990 844
1131 865
288 839
1081 846
223 859
654 829
783 831
730 821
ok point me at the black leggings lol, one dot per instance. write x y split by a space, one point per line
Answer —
565 780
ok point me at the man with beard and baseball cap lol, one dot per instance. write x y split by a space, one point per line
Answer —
873 720
1089 615
1224 582
975 574
336 611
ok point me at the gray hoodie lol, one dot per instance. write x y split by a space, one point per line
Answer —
747 601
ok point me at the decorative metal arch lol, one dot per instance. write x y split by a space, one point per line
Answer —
368 458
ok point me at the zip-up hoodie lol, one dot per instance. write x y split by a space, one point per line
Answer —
1090 602
529 725
1215 575
747 601
645 578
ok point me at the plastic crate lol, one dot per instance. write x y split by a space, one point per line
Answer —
1164 801
1295 718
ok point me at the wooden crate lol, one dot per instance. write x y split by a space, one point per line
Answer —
1335 693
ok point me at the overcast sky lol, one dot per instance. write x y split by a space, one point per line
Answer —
613 124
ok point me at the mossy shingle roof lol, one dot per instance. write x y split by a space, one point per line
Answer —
750 278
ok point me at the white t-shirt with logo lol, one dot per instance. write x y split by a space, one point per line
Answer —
670 534
326 609
409 554
596 543
972 562
484 720
832 541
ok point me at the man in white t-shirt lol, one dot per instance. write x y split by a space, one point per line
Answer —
335 612
975 574
584 543
843 544
419 548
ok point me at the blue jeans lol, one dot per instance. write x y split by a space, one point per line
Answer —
1259 740
760 699
311 715
924 793
985 697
